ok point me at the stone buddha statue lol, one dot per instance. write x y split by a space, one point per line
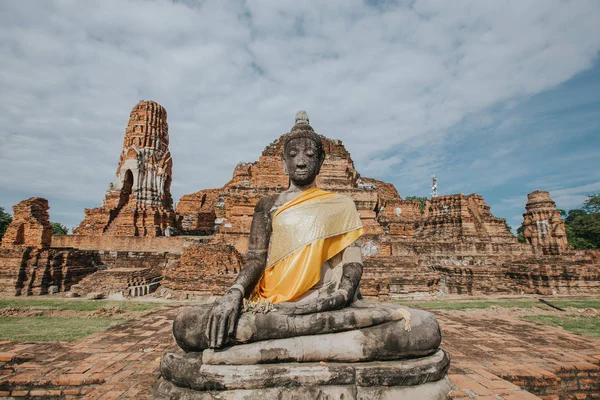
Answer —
293 324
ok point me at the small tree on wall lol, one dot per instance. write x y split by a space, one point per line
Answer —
421 201
59 229
5 219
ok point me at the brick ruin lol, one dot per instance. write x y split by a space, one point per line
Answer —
453 245
139 202
30 225
28 265
542 226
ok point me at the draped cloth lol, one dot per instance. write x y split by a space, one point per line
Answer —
307 231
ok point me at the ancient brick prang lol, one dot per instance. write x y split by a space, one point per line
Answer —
30 226
139 202
543 227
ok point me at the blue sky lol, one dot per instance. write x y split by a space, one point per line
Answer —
496 98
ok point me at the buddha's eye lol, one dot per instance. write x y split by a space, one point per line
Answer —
292 153
310 153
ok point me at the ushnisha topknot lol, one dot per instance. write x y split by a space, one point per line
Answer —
302 129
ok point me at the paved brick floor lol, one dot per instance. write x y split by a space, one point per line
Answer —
493 357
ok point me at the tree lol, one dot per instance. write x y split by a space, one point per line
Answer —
5 219
592 204
421 201
573 214
575 241
521 234
587 227
59 229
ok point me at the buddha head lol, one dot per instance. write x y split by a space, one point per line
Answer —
303 152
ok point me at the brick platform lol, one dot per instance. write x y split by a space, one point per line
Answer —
493 357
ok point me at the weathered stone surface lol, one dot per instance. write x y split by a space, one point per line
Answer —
30 226
432 391
187 370
139 202
389 341
543 227
276 325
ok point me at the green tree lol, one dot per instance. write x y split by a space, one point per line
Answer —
58 228
578 243
587 227
573 214
421 201
592 204
521 234
5 219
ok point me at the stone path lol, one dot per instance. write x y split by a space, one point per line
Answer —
493 357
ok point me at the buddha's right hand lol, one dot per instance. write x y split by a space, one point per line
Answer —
223 318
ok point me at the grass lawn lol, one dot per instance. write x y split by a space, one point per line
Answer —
581 325
62 328
476 304
76 305
56 329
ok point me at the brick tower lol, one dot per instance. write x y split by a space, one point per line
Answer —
542 226
139 202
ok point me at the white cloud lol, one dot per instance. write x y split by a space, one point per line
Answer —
231 76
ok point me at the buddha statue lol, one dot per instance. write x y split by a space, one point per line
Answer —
294 324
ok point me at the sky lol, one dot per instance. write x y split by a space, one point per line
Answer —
499 98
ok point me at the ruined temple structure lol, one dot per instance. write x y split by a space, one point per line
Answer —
30 225
542 226
27 263
139 202
454 245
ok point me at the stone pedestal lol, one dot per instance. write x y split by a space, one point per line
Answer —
184 376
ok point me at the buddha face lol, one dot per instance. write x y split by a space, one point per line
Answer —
302 161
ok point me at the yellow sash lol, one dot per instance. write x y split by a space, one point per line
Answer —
307 231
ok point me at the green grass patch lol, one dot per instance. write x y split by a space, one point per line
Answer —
589 326
470 305
75 305
56 329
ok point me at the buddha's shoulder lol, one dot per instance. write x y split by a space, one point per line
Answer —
266 203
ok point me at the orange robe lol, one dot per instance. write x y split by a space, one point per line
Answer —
307 231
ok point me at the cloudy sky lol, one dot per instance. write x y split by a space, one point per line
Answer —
495 97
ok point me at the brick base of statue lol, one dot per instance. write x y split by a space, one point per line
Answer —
368 350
